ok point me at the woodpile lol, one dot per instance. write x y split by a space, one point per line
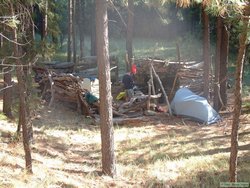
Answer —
166 71
69 88
190 75
85 67
66 88
168 77
172 74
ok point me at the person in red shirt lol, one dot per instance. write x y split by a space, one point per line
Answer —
128 82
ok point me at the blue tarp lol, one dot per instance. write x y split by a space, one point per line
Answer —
188 104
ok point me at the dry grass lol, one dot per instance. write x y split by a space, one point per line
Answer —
164 151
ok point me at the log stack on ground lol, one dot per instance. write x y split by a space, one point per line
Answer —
164 69
173 75
66 88
70 87
190 75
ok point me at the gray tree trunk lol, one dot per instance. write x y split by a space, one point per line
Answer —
130 28
93 32
217 65
70 17
206 52
45 21
74 43
81 26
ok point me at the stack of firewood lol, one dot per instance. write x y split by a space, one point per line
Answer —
64 87
68 88
190 75
172 74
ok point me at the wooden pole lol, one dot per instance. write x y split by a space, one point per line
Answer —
149 94
152 83
162 88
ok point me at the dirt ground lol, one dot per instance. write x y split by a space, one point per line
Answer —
63 157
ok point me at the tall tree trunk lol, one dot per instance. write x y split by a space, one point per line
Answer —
7 93
93 31
45 29
28 85
81 25
32 26
29 50
74 30
237 103
217 65
130 28
206 52
45 21
22 94
23 121
223 65
106 117
70 15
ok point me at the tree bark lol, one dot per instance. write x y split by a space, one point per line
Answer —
130 28
23 120
7 93
74 43
106 118
93 32
237 103
217 65
223 65
70 15
206 52
45 21
22 102
81 26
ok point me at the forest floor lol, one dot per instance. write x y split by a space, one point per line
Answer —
160 151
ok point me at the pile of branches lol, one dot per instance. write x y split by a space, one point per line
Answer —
173 74
190 75
66 88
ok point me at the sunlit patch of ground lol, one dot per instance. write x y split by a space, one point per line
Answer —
162 151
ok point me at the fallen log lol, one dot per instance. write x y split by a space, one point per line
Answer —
136 103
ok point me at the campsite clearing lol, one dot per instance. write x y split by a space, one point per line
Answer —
157 152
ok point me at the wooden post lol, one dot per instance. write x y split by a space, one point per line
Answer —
52 89
149 94
162 88
152 83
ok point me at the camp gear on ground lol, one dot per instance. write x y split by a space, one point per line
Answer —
121 95
90 98
186 103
